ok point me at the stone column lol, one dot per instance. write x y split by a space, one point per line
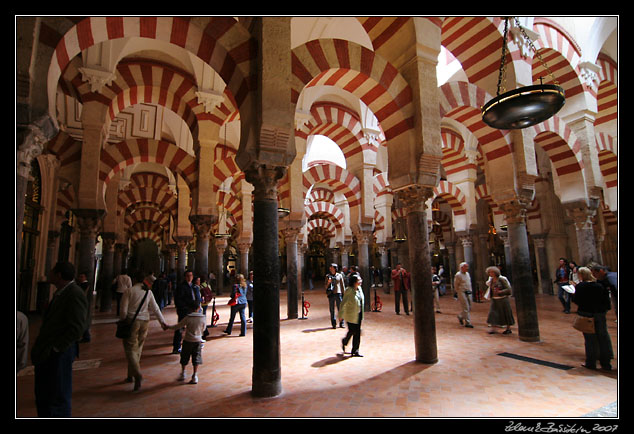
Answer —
345 251
181 242
385 274
423 299
221 246
202 226
507 255
89 223
107 270
523 291
363 241
546 283
52 249
582 214
119 251
244 248
292 296
267 375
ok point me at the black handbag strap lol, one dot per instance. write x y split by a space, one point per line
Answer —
140 304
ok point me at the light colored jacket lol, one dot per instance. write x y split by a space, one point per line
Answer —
131 300
351 308
195 326
462 282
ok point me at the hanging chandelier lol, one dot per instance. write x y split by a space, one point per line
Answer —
525 106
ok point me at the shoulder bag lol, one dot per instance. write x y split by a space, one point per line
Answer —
124 326
584 324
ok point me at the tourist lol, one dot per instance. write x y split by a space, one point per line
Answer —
123 283
334 291
435 286
562 278
193 342
239 291
609 280
462 289
401 280
351 311
185 292
138 295
56 347
250 296
593 300
500 312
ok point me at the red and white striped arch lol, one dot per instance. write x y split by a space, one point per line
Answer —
117 156
224 165
381 185
217 41
607 94
321 194
146 230
477 43
608 159
462 102
66 148
339 124
325 210
147 213
561 145
325 224
340 63
453 195
340 180
163 199
562 55
454 159
482 192
379 221
65 201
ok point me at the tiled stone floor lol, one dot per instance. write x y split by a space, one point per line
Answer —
470 379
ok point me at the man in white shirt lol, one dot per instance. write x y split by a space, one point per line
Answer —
462 288
124 283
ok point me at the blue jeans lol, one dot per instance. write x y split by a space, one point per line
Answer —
564 297
243 321
334 299
54 383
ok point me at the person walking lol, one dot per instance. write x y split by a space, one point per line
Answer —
123 283
138 297
562 278
500 312
193 342
239 291
352 312
56 346
185 293
593 300
334 291
400 278
462 289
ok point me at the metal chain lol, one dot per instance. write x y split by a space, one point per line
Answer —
539 56
502 75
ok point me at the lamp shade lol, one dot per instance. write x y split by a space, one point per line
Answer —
523 107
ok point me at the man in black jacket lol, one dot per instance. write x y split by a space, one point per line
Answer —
185 293
56 346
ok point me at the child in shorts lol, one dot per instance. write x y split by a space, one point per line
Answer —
193 342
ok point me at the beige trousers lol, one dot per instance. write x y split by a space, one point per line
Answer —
133 347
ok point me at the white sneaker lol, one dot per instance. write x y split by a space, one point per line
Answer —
194 379
181 377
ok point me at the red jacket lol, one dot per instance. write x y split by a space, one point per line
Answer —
400 279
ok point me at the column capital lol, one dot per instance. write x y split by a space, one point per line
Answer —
202 224
264 179
413 197
89 221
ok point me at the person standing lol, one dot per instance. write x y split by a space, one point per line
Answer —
562 278
352 312
462 288
435 286
593 300
138 297
609 279
250 296
56 346
193 342
82 282
159 289
239 291
185 293
123 283
500 312
334 291
400 277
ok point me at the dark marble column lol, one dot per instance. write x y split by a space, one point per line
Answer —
292 295
267 375
422 295
523 291
107 270
202 225
89 222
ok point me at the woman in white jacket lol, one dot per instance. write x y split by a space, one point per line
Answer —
133 345
351 311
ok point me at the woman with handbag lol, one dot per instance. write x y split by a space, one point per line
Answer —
136 305
500 312
593 301
239 294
